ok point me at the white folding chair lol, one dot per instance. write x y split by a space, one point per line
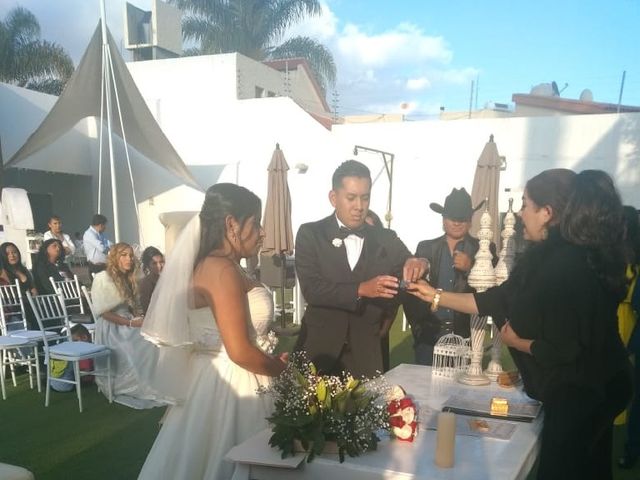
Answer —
73 302
7 345
13 323
51 314
87 296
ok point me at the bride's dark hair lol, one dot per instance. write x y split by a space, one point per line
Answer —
220 201
594 219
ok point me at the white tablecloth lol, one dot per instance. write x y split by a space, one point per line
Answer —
475 458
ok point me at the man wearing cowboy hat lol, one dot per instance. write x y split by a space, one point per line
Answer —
451 257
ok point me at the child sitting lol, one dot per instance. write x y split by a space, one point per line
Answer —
63 370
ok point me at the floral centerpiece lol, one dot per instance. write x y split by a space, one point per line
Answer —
313 409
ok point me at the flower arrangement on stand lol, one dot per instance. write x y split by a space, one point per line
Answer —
315 410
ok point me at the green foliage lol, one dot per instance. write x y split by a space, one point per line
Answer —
255 28
27 61
315 409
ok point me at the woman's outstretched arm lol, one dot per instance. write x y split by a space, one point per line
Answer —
460 302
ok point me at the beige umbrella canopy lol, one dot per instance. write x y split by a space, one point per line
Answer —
486 185
278 238
277 211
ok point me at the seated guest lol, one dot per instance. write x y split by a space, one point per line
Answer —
50 263
63 370
115 302
96 244
55 231
152 265
11 260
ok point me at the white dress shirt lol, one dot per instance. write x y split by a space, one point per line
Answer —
353 244
96 245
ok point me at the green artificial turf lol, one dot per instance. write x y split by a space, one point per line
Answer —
109 441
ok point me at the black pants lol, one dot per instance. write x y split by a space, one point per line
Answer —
578 430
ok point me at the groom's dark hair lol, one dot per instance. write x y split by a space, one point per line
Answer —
350 168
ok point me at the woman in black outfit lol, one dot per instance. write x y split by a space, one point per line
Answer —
50 263
558 316
11 259
152 265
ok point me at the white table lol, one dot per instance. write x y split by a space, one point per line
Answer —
475 457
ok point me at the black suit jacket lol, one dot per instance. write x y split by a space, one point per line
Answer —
425 325
335 318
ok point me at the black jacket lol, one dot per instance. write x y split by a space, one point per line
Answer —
556 299
425 325
334 316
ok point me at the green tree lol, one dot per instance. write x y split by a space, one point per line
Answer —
254 28
27 61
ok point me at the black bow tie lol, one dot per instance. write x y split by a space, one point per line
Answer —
345 232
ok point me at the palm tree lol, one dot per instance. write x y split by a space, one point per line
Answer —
254 28
27 61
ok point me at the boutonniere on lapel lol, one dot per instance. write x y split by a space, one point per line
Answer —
337 242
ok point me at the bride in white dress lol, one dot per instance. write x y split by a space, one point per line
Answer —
216 317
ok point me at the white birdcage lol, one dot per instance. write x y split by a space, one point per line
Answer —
450 356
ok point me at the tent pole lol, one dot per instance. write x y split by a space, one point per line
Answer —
283 265
107 53
100 139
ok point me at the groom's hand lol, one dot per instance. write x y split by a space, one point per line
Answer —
382 286
415 268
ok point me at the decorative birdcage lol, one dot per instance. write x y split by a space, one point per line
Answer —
450 356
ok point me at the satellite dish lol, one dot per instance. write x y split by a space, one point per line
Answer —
586 95
554 88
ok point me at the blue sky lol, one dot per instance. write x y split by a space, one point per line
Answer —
414 56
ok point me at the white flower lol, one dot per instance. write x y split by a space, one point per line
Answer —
337 242
403 433
408 414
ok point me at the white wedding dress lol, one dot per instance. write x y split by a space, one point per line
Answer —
221 408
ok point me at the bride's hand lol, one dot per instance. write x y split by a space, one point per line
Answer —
422 290
284 357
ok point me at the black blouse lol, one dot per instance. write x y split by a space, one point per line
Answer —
555 299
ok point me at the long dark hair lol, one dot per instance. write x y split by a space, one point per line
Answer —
12 269
220 201
43 257
594 219
549 188
147 258
552 188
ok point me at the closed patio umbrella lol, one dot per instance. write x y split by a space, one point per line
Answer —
277 216
486 185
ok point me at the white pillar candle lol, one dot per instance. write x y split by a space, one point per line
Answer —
446 440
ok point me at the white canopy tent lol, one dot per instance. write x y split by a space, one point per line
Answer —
101 79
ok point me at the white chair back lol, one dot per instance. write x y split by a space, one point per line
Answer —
12 312
71 292
51 313
87 296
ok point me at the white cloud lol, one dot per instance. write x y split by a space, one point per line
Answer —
378 71
405 43
418 83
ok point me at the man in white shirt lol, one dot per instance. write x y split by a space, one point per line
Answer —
96 244
55 231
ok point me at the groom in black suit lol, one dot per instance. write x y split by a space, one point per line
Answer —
349 273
